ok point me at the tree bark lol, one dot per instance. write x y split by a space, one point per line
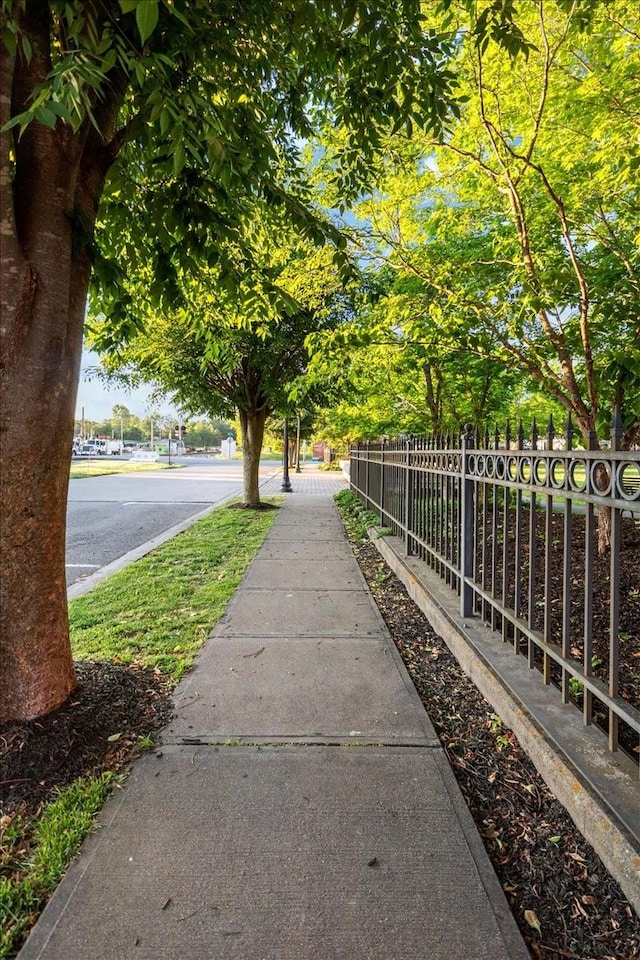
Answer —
252 424
50 181
42 349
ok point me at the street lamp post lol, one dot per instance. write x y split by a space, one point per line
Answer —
298 470
286 483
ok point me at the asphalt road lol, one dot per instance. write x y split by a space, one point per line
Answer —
110 516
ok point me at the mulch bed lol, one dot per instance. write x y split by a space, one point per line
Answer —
98 728
565 902
629 598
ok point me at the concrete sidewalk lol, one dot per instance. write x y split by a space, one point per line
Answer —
300 807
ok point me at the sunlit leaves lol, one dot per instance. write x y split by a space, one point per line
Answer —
528 202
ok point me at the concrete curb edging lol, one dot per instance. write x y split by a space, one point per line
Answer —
598 789
81 587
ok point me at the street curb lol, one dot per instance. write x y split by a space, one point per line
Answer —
81 587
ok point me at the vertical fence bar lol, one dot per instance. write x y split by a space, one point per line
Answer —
517 557
439 506
382 481
367 470
466 538
458 521
485 527
494 532
533 546
566 568
430 500
614 585
477 533
450 514
548 545
423 502
408 498
589 557
506 522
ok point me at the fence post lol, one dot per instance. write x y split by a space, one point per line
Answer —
614 583
382 445
408 498
366 474
466 534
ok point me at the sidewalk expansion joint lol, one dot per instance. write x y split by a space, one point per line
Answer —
215 740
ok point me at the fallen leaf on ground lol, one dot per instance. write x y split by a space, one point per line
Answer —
532 919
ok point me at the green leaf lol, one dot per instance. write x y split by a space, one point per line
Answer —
147 14
46 117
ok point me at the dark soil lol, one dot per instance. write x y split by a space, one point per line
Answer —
263 505
99 728
565 902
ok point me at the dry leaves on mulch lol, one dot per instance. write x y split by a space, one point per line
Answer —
565 902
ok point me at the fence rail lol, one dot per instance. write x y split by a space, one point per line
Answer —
517 532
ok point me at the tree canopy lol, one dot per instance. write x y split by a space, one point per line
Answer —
136 138
514 237
215 358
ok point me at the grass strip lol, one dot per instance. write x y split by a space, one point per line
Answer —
35 852
156 612
97 468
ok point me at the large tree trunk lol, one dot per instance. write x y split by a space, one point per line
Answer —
49 197
252 424
42 349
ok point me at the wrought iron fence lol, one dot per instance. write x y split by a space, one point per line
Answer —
516 528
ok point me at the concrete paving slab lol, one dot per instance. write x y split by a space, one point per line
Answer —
311 505
313 532
304 513
314 688
315 574
301 613
281 854
300 548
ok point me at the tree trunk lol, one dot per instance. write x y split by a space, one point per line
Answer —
42 349
252 424
49 197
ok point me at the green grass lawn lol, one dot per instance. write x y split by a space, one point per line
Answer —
156 612
160 609
99 468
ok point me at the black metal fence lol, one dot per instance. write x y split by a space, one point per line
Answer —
532 539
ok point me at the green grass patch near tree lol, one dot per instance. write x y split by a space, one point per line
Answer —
157 613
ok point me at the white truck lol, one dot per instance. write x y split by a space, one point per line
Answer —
100 447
